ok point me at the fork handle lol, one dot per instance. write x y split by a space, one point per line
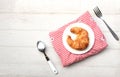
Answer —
113 33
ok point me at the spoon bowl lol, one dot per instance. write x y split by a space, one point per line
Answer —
41 46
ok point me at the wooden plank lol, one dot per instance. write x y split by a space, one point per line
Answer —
37 22
34 21
19 61
57 6
35 71
29 38
31 56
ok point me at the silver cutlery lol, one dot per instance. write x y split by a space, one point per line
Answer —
41 47
99 15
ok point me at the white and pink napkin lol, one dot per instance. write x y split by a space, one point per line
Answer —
68 58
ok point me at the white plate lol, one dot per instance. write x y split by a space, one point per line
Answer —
73 36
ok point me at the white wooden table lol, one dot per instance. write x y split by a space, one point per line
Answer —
24 22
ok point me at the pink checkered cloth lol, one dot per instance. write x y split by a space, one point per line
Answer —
68 58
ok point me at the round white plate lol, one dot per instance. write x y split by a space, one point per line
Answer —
73 36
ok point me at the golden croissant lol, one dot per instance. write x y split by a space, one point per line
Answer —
81 41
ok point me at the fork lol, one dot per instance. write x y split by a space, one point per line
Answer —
99 15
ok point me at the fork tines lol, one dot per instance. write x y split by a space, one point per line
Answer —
97 11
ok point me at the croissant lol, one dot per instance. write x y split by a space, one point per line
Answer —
81 41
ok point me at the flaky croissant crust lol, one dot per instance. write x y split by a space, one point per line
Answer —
82 40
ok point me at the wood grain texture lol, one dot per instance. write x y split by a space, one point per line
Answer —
24 22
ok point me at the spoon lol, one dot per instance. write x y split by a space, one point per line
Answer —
41 47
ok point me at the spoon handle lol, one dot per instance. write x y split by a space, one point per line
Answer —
54 70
